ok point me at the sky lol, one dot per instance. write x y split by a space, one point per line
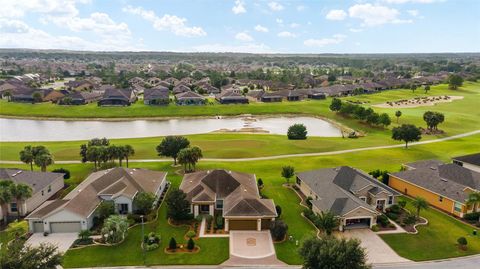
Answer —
255 26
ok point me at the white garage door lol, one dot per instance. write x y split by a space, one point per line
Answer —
38 226
65 227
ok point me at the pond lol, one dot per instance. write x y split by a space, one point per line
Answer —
56 130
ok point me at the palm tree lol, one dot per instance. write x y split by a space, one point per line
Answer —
21 192
44 160
474 200
26 156
327 221
128 151
420 203
5 197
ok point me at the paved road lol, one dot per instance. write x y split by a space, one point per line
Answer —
287 155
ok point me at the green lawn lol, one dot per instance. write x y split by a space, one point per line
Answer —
269 171
437 240
12 230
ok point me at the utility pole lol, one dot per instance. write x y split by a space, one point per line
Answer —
143 241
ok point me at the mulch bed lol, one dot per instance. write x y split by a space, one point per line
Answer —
181 249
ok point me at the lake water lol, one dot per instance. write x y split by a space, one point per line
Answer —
53 130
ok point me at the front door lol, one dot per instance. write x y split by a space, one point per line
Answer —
205 209
380 205
123 209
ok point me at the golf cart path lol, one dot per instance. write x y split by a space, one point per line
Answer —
287 155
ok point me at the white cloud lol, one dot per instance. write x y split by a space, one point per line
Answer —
18 8
373 15
294 25
286 34
168 22
279 21
300 8
336 15
239 7
355 30
411 1
244 48
413 12
260 28
336 39
242 36
275 6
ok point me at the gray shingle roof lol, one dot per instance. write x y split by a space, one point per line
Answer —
36 180
471 159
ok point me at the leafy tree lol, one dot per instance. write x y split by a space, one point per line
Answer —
105 209
360 113
336 104
406 133
288 172
426 88
5 197
178 207
100 142
171 146
26 156
94 154
398 114
413 87
114 229
44 160
455 81
143 202
190 244
297 131
474 200
330 252
172 245
21 192
62 171
373 119
433 119
17 255
419 203
462 242
278 230
37 97
384 119
327 222
259 182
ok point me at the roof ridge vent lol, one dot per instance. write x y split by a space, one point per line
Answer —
433 167
443 179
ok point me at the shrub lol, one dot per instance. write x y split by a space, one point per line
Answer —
410 219
190 244
402 203
191 234
472 216
309 214
260 183
151 247
297 132
279 210
151 238
219 222
84 234
172 244
63 171
375 228
394 209
278 230
309 202
392 216
383 220
462 242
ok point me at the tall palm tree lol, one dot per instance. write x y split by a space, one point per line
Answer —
21 192
44 160
420 203
326 222
26 156
128 151
5 197
474 200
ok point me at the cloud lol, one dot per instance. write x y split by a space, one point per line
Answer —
411 1
355 30
294 25
171 23
374 15
336 15
300 8
244 48
274 6
336 39
286 34
279 21
260 28
239 7
242 36
413 12
18 8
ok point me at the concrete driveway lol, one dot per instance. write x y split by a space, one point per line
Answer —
378 252
249 248
62 240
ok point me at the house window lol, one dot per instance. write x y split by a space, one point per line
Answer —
123 208
440 199
299 182
219 204
390 199
42 192
458 207
49 188
13 207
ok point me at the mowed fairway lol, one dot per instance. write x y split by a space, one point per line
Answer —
269 171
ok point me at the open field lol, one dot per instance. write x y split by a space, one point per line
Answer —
269 171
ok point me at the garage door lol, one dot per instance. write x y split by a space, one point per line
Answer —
65 227
38 226
242 224
358 223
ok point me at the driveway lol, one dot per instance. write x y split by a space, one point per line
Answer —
62 240
249 248
378 252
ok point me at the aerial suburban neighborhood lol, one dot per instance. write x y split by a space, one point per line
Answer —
240 134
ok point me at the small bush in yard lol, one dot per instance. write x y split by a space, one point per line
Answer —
375 228
151 247
392 216
410 219
191 234
462 242
172 245
383 220
190 244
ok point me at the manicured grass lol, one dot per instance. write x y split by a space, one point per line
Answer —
437 240
13 229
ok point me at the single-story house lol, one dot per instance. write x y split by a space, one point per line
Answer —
232 195
189 98
271 97
444 186
181 88
44 185
81 98
117 97
156 96
352 195
80 85
471 161
230 97
77 210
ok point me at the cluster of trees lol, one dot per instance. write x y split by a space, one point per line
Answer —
178 207
178 147
38 155
433 119
380 175
359 112
101 151
114 229
17 255
13 192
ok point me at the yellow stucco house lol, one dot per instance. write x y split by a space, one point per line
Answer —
444 186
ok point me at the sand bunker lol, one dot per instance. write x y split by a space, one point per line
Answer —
419 101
